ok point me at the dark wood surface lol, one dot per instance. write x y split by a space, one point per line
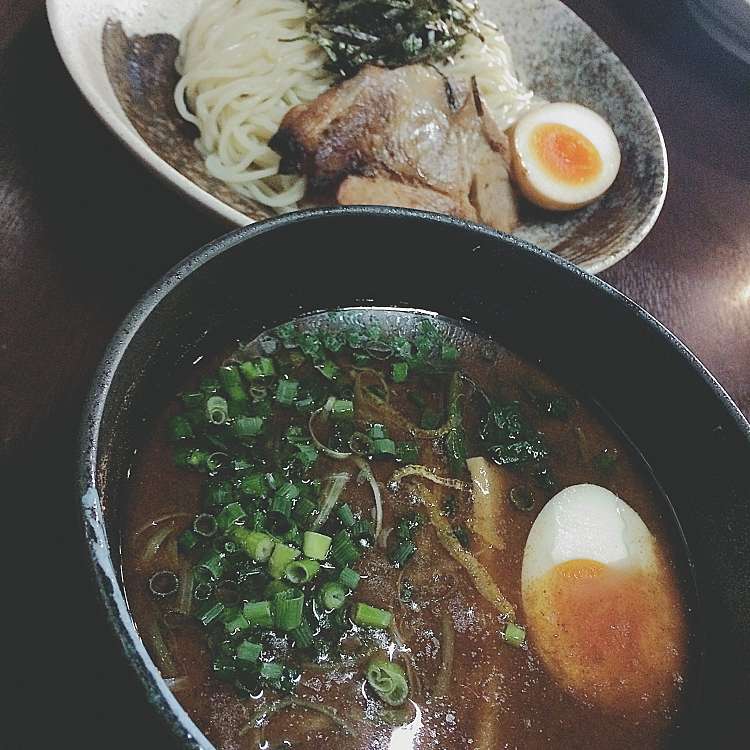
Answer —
84 230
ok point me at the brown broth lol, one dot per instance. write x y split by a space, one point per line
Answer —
498 696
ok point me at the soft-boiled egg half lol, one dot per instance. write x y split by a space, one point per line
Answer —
563 156
602 608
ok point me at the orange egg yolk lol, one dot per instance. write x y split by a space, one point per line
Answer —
567 155
612 636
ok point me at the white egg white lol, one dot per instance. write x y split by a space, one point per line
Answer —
586 522
601 608
535 180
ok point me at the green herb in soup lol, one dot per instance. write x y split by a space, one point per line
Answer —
371 536
274 551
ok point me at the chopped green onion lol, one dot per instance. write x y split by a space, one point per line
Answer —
235 622
224 545
249 652
258 393
292 536
286 333
448 352
219 494
377 432
209 386
356 339
332 595
303 511
289 491
361 444
334 342
301 571
342 408
247 427
229 516
212 563
258 613
315 546
407 525
343 550
407 453
307 455
287 609
255 543
345 515
232 382
187 541
271 671
257 520
180 428
205 525
193 400
281 556
217 410
371 617
191 458
384 447
305 405
286 391
302 635
254 485
279 512
514 635
328 370
272 481
349 578
275 587
403 553
399 372
211 613
258 369
388 681
362 529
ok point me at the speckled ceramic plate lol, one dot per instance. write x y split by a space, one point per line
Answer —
121 54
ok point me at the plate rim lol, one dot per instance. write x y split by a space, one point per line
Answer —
118 123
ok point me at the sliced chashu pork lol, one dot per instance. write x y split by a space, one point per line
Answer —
402 137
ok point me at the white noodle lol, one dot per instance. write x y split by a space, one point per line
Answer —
491 63
238 81
239 78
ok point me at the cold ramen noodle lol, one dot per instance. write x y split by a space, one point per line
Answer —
414 104
378 530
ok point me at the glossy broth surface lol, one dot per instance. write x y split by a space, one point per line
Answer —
468 688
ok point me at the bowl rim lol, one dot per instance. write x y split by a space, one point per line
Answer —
115 119
92 518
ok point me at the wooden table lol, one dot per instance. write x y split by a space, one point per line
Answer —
84 230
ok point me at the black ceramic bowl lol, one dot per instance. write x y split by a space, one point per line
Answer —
573 324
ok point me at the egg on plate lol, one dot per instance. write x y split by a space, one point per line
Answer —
563 156
602 608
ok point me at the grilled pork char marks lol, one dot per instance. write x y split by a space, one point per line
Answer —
403 137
